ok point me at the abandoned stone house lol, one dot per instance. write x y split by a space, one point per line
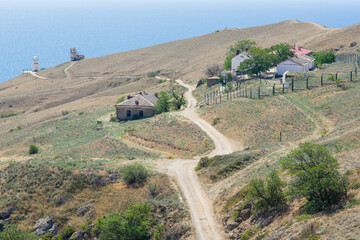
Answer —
135 107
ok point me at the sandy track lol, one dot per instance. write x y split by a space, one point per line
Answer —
66 69
201 209
35 74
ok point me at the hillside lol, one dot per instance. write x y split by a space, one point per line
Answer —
98 82
89 166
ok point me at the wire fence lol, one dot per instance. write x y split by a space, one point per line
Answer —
348 58
294 83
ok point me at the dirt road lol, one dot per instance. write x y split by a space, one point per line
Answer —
201 209
66 69
35 74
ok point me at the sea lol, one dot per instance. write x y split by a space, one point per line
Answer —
48 29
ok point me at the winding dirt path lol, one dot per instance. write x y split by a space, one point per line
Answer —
35 74
66 69
201 208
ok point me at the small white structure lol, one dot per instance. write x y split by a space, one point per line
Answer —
302 63
238 59
35 65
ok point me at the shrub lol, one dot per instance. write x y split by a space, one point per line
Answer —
6 115
153 74
66 112
324 57
268 192
33 149
216 121
113 118
316 176
155 189
134 223
135 174
81 113
203 163
66 234
121 99
13 232
163 104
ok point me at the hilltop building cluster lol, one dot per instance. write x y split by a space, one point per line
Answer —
301 62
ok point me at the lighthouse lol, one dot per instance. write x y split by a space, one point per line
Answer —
35 65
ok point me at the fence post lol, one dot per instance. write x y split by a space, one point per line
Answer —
259 93
283 87
245 92
322 77
336 76
351 76
274 90
250 93
220 97
307 83
292 85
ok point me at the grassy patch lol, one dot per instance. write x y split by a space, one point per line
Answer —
167 133
256 123
220 167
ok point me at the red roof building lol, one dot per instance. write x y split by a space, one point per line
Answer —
300 51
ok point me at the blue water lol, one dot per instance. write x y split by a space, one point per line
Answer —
48 30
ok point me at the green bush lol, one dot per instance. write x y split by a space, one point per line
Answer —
163 104
13 232
203 163
134 223
153 74
6 115
268 192
33 149
324 57
66 234
316 176
135 174
113 118
120 100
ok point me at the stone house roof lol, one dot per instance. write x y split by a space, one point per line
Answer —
142 99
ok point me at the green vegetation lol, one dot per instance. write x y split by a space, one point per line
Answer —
219 167
13 232
261 61
242 46
153 74
167 133
134 223
303 217
170 101
33 149
322 58
6 115
268 193
282 50
120 100
66 234
163 104
316 176
135 174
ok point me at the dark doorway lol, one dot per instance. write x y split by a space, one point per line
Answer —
141 113
128 113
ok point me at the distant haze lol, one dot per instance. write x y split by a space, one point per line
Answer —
47 29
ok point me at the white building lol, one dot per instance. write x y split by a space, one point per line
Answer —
235 61
302 63
35 65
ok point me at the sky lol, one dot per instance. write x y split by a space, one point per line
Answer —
331 13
